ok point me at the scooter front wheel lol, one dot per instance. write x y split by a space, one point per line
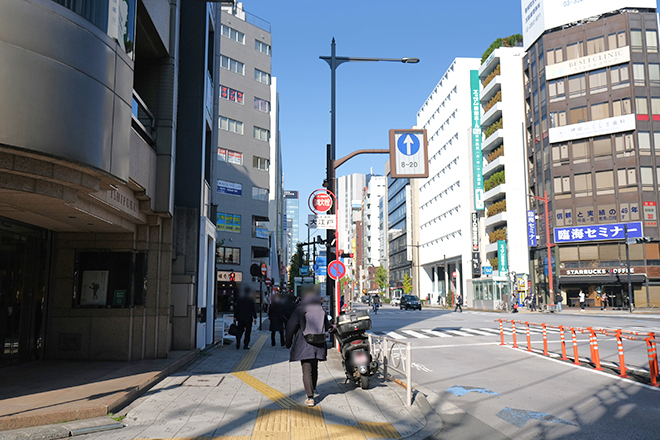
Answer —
364 382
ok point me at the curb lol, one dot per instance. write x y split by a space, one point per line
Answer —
433 420
62 430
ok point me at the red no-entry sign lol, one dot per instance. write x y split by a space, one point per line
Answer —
268 282
322 202
336 270
264 269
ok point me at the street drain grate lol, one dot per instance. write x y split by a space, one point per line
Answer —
203 380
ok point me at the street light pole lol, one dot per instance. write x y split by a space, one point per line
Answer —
548 245
334 61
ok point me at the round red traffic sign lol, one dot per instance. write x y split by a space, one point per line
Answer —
336 270
264 269
322 202
268 281
454 274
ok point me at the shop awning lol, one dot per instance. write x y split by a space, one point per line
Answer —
601 279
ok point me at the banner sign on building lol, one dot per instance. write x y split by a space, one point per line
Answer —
477 157
531 228
615 231
261 232
592 128
502 258
228 222
541 15
588 63
229 188
650 214
476 258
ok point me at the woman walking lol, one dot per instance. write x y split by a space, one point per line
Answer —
305 336
276 318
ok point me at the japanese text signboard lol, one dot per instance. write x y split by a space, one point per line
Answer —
477 157
502 258
650 214
531 228
615 231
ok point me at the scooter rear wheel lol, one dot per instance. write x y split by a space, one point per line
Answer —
364 382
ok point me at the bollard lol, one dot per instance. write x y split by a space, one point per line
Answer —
563 343
529 339
655 352
501 333
595 355
622 362
513 327
545 341
575 347
653 373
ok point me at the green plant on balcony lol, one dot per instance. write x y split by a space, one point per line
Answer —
496 153
514 40
494 262
492 128
497 234
494 100
494 181
496 208
491 75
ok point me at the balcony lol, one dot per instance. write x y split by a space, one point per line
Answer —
492 115
143 121
494 166
493 141
494 86
497 219
491 247
497 192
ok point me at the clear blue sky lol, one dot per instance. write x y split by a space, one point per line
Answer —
371 97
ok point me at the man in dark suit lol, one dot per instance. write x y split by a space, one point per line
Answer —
244 314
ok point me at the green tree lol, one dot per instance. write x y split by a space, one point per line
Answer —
407 284
382 278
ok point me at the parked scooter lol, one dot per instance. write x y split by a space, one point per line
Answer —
358 363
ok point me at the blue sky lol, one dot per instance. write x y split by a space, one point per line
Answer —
371 97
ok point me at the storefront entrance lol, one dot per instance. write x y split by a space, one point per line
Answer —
23 263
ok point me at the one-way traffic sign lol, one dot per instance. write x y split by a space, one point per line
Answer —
408 153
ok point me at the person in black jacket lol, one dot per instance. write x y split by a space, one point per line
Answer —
308 319
276 318
244 314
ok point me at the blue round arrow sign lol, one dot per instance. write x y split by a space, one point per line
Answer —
408 144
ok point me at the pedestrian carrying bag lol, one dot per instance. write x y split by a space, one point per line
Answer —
314 332
233 329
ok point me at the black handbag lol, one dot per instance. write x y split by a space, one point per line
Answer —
233 329
315 339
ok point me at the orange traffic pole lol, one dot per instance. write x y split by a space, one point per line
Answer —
575 347
563 343
653 373
655 352
513 327
501 333
595 355
529 339
622 362
545 341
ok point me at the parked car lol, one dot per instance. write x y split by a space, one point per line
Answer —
395 301
410 302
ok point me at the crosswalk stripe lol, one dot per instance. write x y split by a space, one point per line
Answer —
456 332
438 334
491 330
394 335
415 334
478 332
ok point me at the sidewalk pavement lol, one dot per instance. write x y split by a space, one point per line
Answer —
258 394
47 392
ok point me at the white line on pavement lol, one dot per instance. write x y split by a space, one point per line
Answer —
438 334
454 345
395 335
415 334
456 332
475 331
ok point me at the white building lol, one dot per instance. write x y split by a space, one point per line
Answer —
349 193
371 227
445 197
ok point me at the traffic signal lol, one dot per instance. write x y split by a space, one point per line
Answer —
643 240
232 277
347 255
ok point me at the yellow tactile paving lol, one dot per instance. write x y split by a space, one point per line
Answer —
246 363
307 418
341 432
273 420
379 430
235 437
309 434
278 397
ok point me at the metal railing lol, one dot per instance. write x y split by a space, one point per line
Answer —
143 120
393 355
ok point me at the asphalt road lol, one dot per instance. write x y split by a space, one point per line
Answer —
487 391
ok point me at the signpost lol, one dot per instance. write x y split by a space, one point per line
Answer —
321 221
408 153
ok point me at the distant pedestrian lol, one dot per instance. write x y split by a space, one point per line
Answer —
459 302
244 314
582 299
276 318
532 302
305 336
603 301
558 299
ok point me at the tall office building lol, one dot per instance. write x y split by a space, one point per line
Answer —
276 202
241 172
592 94
292 222
349 192
445 197
374 191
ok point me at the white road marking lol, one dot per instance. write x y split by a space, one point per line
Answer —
394 335
454 345
415 334
420 367
475 331
438 334
457 333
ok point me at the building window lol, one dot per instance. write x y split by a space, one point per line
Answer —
580 151
646 175
556 90
598 81
577 85
534 70
627 177
543 96
261 104
557 119
644 143
603 147
227 255
232 65
655 108
231 95
619 77
544 124
260 193
562 185
261 76
652 41
579 114
642 108
262 47
595 45
536 101
600 111
574 50
260 163
230 156
559 155
654 74
231 125
639 76
261 134
624 145
636 40
616 40
583 186
555 56
622 107
232 34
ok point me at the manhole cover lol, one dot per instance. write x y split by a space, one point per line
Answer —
203 380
